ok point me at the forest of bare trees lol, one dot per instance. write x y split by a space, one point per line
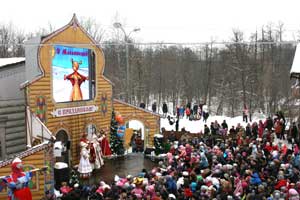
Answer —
252 72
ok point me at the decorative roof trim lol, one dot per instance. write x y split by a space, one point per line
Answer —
75 23
136 107
26 153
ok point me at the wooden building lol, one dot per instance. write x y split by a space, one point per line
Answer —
49 95
68 118
66 94
12 107
150 120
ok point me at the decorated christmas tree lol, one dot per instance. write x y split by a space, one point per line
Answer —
116 142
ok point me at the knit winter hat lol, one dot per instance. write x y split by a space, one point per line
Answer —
193 186
293 192
172 196
185 173
199 178
17 162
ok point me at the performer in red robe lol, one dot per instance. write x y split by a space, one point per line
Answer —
18 181
106 151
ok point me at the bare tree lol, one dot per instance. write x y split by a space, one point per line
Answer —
93 28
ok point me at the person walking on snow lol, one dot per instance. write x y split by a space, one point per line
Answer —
165 110
154 107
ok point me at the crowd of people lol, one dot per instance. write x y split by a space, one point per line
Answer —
255 164
192 112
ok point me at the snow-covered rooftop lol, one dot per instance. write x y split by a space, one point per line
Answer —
295 70
9 61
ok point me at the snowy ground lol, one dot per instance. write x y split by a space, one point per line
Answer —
198 125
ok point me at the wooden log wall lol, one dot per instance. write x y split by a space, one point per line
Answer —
75 125
15 133
149 119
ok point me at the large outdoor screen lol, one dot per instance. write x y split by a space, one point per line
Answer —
70 73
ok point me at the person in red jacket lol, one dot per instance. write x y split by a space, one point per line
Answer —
280 183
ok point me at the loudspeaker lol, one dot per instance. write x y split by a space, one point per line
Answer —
68 145
61 175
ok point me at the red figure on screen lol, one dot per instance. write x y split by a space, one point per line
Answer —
76 79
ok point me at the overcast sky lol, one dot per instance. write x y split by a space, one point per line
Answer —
160 20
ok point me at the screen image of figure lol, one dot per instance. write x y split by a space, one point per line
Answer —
70 73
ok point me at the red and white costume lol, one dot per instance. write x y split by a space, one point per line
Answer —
18 181
95 153
84 167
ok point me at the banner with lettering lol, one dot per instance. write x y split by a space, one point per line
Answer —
62 112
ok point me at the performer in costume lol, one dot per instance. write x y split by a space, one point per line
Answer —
84 167
17 182
76 79
106 151
96 153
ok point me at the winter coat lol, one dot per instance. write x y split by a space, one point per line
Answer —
203 161
206 130
278 127
248 131
195 108
269 124
142 105
296 161
188 105
154 107
294 131
165 108
280 183
255 180
255 130
181 111
224 125
171 185
187 111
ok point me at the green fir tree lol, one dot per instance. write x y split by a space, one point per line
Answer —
116 142
73 179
